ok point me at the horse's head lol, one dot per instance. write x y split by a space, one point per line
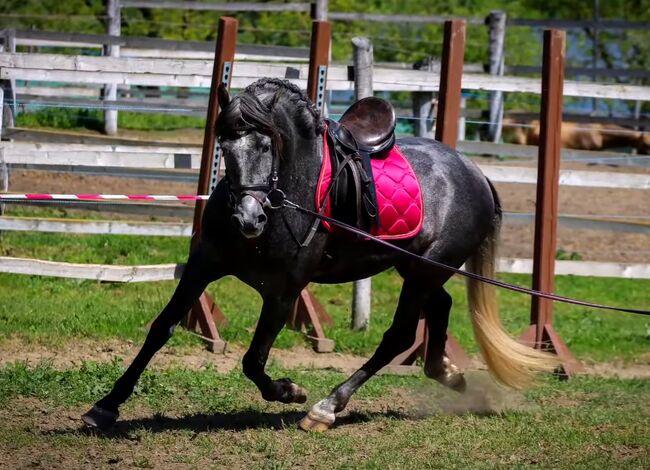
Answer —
257 130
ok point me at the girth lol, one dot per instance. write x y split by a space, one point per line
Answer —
365 131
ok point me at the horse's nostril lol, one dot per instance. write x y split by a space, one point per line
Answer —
261 218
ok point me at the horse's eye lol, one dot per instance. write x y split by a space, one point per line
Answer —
266 148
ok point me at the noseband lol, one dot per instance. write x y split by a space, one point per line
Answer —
274 197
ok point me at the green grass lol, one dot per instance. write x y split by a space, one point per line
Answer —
194 418
93 119
56 311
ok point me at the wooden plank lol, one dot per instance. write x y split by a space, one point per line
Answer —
29 147
580 24
96 272
199 6
579 268
33 224
396 18
588 179
70 76
98 158
195 73
106 227
134 43
164 272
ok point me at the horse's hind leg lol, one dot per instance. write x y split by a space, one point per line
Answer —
397 339
195 278
437 365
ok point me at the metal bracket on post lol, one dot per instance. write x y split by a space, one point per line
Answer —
216 161
320 96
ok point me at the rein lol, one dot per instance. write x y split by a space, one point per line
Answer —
505 285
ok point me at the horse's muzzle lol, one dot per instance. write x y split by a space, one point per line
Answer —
249 217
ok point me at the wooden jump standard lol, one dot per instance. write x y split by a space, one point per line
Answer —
540 333
451 71
205 317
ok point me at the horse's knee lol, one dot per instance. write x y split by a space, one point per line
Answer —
250 366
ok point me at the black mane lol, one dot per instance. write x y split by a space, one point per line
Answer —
253 109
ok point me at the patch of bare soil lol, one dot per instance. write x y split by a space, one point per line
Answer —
75 354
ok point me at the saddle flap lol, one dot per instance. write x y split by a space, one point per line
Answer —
371 121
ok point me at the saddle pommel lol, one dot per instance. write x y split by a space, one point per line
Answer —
371 121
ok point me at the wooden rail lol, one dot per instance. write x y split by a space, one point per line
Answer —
197 73
167 272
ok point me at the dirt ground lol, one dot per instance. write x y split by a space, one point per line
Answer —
75 354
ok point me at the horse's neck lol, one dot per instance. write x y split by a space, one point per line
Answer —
304 167
613 138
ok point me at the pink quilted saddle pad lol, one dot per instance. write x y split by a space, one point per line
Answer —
399 198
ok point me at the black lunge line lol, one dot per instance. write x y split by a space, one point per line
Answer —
494 282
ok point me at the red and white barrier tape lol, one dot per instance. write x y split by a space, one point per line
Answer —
102 197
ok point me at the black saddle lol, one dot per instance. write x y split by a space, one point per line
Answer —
364 132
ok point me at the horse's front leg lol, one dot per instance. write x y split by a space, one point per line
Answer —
199 271
275 312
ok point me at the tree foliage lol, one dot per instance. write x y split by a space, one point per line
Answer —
401 42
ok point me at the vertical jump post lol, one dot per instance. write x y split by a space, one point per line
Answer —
451 73
307 312
363 66
205 316
541 334
112 50
496 23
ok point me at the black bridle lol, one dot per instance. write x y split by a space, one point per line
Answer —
274 197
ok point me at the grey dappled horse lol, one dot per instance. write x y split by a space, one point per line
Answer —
272 137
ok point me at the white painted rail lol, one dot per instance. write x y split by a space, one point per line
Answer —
166 272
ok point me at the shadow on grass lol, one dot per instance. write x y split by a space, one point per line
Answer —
240 421
233 421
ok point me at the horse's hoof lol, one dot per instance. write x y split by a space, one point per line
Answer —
308 423
99 418
298 394
318 419
448 375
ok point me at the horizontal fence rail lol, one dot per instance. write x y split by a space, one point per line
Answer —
197 73
108 227
153 157
167 272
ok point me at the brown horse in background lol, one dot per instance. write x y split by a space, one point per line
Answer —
580 136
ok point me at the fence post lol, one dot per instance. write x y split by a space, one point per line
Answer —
496 22
541 334
4 177
206 316
451 73
111 50
424 106
9 86
319 9
363 63
307 312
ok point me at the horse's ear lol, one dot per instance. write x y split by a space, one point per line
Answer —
223 96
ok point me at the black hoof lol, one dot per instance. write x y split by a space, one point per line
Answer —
99 418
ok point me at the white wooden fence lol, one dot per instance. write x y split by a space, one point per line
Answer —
87 70
197 73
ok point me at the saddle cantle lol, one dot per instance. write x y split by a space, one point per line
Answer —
365 131
370 122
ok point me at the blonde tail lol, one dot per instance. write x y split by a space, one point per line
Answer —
509 362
